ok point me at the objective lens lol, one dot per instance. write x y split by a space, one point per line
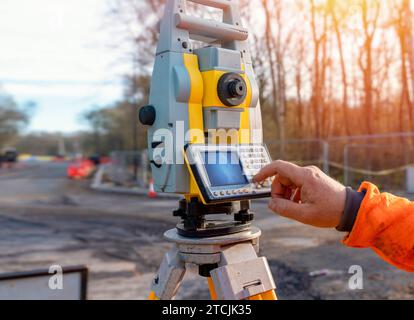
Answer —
236 88
232 89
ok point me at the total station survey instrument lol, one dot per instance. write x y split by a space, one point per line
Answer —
205 142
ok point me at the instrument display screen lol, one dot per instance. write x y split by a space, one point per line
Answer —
224 168
224 173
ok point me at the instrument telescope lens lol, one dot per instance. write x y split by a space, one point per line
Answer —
237 88
232 89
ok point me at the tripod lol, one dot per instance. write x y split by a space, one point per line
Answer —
229 262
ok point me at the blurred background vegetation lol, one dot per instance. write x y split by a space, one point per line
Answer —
326 68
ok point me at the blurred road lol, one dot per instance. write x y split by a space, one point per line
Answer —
46 219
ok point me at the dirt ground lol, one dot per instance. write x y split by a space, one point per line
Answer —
46 219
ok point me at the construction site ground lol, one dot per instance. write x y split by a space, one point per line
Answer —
47 219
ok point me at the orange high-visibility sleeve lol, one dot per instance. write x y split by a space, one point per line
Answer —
385 223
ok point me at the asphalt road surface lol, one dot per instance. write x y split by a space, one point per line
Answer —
46 219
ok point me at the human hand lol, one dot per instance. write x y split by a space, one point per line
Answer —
304 194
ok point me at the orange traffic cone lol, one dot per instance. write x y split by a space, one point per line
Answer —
151 192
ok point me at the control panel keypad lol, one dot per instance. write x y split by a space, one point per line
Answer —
253 159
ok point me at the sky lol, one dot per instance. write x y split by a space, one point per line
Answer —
58 54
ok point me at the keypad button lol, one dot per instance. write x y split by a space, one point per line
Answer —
266 184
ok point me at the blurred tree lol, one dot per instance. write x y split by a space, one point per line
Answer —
115 127
339 14
319 32
40 143
403 32
325 67
12 119
276 41
370 13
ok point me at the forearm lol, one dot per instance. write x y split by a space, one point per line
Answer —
383 222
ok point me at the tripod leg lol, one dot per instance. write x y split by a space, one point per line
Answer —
213 293
243 275
269 295
170 274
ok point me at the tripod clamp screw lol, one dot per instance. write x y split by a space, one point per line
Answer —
244 216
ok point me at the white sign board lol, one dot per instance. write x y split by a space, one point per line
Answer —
69 284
